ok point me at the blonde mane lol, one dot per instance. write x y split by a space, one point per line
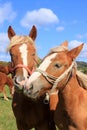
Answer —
82 79
59 49
19 40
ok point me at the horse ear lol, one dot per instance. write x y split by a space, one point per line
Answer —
65 43
75 52
11 32
33 33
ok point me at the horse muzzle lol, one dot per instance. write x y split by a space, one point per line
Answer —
30 91
19 83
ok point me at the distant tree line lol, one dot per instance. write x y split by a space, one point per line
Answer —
82 66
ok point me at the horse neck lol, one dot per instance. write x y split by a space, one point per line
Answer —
4 69
71 90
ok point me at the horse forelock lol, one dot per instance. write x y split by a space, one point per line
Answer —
59 49
20 40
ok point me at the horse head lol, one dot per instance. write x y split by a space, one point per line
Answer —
23 55
54 71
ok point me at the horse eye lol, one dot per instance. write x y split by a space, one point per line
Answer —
57 65
33 54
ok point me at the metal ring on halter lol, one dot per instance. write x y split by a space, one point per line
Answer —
46 99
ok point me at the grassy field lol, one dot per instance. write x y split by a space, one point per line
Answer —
7 119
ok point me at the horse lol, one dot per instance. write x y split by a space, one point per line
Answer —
6 68
28 113
5 80
58 75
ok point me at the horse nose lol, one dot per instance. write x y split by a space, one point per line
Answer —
19 79
19 82
28 91
31 87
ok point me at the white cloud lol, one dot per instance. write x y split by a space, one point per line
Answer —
81 36
59 29
4 41
39 17
83 55
6 13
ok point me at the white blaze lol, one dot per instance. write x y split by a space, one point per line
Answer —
23 50
44 65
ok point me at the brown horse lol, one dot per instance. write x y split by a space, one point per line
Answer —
5 68
60 75
28 113
5 80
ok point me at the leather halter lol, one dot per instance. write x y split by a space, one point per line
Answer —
23 66
55 80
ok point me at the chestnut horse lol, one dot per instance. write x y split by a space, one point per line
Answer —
58 74
5 80
6 68
28 113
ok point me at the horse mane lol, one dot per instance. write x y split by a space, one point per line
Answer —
58 49
82 79
19 40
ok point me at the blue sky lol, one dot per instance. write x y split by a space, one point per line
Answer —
56 21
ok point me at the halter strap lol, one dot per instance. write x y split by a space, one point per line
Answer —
55 80
23 66
51 79
61 77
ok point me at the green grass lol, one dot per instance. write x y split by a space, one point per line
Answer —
7 119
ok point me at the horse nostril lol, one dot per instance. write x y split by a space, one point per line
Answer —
28 77
31 87
28 91
19 78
